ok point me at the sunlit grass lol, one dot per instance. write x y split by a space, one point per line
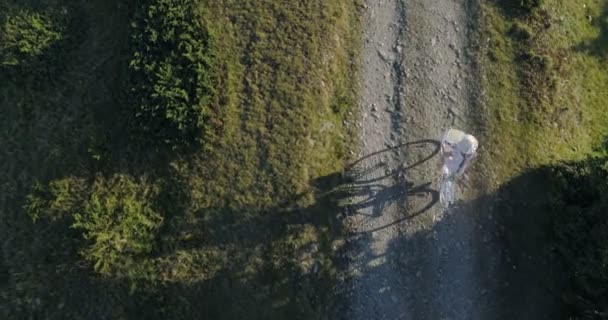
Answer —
562 117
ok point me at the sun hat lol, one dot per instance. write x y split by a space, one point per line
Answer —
467 145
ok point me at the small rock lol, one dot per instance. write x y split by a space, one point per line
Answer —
383 55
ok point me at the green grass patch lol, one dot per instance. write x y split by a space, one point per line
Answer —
543 77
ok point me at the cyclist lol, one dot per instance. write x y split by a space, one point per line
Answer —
458 149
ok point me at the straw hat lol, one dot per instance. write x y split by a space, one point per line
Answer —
468 145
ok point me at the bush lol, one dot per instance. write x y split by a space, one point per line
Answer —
170 71
26 35
57 201
116 216
120 222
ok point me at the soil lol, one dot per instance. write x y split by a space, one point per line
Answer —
408 256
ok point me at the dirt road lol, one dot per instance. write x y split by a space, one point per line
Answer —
408 257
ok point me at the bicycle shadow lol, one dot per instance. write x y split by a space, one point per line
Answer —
372 190
355 173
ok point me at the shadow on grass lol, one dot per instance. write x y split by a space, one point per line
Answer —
515 8
332 200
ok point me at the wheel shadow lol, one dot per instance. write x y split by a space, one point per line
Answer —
374 187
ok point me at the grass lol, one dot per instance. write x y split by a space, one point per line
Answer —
559 113
544 78
244 216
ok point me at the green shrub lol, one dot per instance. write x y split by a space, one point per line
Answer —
121 223
170 70
117 216
26 35
59 200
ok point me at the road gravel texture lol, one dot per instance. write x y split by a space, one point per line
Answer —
408 257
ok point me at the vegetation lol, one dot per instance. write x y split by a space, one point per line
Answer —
545 75
580 229
100 221
170 70
543 79
27 35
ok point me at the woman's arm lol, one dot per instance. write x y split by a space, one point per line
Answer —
465 163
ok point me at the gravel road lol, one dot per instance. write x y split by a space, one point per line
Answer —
408 257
